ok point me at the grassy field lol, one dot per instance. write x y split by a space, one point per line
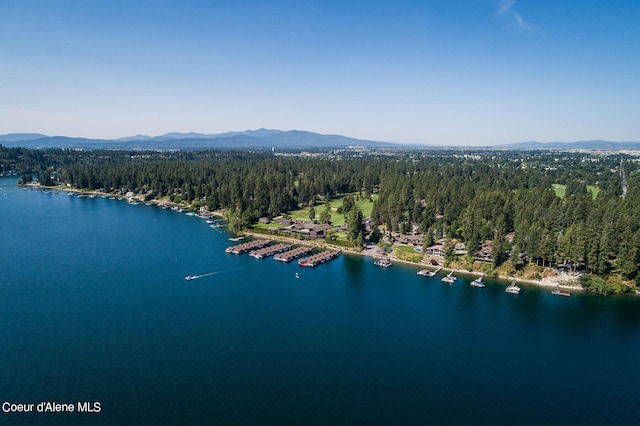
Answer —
561 189
594 190
336 219
407 253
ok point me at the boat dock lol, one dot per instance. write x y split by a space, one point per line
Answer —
449 279
319 258
270 250
428 273
290 255
559 292
478 282
513 288
247 247
384 263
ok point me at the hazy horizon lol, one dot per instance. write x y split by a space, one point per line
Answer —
482 72
327 134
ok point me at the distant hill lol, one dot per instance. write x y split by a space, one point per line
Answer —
266 139
247 139
16 137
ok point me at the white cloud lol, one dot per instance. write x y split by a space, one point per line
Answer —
506 9
522 24
504 6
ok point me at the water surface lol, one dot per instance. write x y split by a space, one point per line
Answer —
94 307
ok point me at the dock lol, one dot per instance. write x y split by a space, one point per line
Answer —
478 282
428 273
559 292
290 255
270 250
383 263
513 288
318 258
247 247
449 279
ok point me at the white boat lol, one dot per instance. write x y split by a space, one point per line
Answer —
188 278
297 276
513 288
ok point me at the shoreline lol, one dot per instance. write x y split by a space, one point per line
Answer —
545 283
363 253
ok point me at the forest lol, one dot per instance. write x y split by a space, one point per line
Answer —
577 210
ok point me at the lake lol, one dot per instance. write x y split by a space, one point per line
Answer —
94 307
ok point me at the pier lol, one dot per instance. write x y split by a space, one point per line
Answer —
384 263
247 247
428 273
478 282
560 292
319 258
513 288
449 279
270 250
290 255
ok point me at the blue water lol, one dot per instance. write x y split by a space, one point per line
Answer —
94 307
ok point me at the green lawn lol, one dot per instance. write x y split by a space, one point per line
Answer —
560 190
336 219
594 190
407 253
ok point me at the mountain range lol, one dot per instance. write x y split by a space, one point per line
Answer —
265 139
248 139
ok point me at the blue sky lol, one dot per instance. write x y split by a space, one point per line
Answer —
451 72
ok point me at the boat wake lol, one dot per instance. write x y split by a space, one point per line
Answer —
195 277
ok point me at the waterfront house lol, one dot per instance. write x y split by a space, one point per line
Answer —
264 220
484 254
310 229
319 231
415 240
459 249
435 250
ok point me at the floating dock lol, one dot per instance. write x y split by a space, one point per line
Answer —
270 250
383 263
319 258
513 288
247 247
449 279
559 292
428 273
290 255
478 282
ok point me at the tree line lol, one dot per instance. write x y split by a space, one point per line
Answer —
470 196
